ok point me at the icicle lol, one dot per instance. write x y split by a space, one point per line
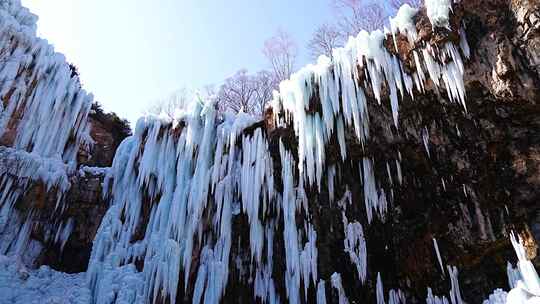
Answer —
380 290
436 246
63 233
321 293
431 299
396 297
355 246
513 275
455 294
264 283
308 259
336 283
388 172
497 297
23 236
530 282
425 139
372 200
290 234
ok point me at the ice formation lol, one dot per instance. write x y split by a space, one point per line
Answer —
497 297
436 246
527 288
327 80
454 293
186 175
177 186
513 275
338 285
321 293
42 100
43 118
93 171
19 170
438 12
425 140
355 245
194 171
380 290
523 280
43 285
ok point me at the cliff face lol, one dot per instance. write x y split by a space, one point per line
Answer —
107 132
402 165
480 178
47 125
469 178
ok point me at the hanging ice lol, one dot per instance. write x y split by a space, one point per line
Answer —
311 98
355 245
439 12
436 246
513 275
42 100
337 284
425 140
455 293
178 184
321 293
527 289
43 118
380 290
498 297
431 299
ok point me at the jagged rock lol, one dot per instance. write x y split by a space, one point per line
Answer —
86 206
107 131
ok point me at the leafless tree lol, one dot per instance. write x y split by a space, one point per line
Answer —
168 106
396 4
355 16
324 40
236 92
246 92
265 84
281 51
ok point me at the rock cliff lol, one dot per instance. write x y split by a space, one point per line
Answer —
393 173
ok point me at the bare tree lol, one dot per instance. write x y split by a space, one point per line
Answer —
281 51
246 92
396 4
236 92
354 17
324 40
265 84
168 106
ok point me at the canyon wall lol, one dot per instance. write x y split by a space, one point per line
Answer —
394 172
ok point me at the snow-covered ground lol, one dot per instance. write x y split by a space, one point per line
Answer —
19 285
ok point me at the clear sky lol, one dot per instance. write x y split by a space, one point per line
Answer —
131 53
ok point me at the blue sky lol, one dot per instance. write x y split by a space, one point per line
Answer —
131 53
